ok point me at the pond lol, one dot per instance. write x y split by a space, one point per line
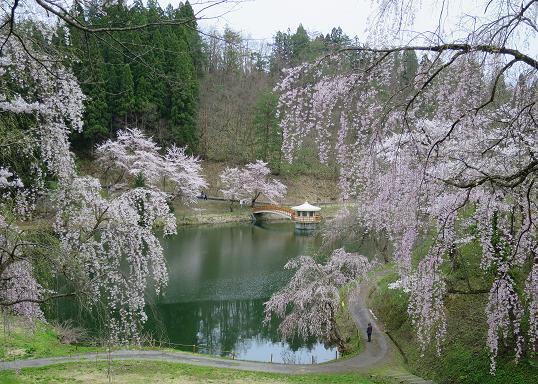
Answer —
219 278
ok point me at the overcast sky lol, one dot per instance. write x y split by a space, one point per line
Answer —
261 19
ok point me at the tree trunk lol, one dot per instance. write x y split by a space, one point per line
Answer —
255 198
335 334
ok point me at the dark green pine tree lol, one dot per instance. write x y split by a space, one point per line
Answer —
281 53
124 93
89 70
268 132
96 114
300 44
183 95
192 37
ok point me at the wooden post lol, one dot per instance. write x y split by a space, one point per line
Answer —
336 358
194 348
312 359
271 357
233 355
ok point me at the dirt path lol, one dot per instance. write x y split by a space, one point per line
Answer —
378 353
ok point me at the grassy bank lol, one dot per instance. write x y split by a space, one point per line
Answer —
23 340
464 357
133 372
347 327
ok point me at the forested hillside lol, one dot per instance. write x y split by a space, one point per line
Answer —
208 90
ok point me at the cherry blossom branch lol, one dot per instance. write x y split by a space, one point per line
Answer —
36 301
509 181
463 48
11 21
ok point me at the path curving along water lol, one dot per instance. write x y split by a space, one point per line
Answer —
377 353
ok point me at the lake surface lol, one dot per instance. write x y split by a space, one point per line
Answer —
219 278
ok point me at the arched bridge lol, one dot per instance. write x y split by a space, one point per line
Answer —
275 209
285 212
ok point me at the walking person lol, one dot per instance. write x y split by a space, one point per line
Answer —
369 332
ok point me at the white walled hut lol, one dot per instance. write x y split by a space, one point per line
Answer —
307 216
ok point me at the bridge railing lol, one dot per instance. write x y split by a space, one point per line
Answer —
287 211
275 208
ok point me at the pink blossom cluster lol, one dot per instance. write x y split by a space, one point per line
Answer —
135 154
117 254
19 290
308 304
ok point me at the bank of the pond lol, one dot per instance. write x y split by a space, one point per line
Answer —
218 212
142 372
378 362
464 358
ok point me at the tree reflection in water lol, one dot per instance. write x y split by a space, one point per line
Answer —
230 326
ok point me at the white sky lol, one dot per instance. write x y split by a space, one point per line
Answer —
261 19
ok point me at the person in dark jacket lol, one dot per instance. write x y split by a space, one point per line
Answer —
369 332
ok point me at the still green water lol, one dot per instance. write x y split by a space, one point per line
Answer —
219 278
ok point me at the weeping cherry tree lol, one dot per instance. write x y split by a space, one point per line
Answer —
308 304
449 153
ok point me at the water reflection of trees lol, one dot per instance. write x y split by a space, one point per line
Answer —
222 326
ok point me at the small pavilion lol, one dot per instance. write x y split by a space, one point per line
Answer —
307 216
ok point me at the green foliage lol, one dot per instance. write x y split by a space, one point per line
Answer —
346 325
293 49
14 140
268 131
139 181
410 67
390 305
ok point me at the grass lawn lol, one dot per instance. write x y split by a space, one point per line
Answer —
134 372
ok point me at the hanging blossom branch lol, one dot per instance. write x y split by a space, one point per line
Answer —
455 136
106 233
308 304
